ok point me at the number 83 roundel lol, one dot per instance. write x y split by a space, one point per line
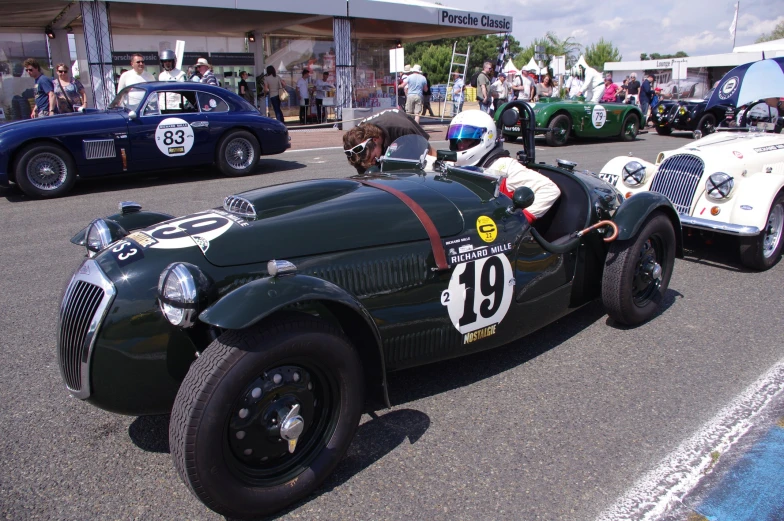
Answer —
174 137
479 293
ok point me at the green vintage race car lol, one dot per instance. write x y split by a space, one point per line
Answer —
559 119
267 324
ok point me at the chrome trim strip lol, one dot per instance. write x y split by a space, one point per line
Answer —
90 273
200 124
719 227
237 205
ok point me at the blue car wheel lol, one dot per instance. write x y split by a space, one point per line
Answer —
238 153
45 171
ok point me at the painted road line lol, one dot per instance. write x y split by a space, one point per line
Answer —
678 473
330 148
752 490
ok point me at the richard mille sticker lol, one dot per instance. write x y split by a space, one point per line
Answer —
198 229
467 249
478 296
769 148
174 137
598 116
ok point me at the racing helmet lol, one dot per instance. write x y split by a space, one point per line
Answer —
168 56
472 134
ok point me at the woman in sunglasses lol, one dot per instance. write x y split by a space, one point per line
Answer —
368 141
69 93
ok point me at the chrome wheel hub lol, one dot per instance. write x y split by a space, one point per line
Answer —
47 171
773 231
239 153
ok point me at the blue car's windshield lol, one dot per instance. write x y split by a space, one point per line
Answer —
129 98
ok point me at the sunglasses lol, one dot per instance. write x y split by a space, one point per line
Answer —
139 61
62 72
359 149
29 70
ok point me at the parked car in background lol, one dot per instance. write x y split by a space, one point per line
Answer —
148 126
688 115
560 119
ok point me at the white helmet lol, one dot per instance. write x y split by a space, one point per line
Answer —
472 134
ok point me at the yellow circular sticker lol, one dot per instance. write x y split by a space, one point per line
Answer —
486 228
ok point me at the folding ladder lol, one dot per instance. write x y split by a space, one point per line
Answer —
459 64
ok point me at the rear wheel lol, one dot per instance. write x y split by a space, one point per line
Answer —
264 415
707 124
45 171
238 153
630 128
559 130
664 131
762 251
637 272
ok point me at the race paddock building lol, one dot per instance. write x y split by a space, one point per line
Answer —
350 39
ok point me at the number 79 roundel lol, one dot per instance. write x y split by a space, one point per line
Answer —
479 295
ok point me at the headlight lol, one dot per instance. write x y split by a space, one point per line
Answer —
179 289
660 109
719 186
633 174
98 236
682 111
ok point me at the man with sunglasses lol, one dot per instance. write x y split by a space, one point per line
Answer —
368 141
44 90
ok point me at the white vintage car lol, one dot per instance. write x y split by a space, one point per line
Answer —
729 182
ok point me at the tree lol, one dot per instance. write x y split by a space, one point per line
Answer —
776 34
657 56
553 46
601 52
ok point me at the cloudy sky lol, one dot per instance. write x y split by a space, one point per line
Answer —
697 27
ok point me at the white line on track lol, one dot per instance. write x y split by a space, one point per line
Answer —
680 472
331 148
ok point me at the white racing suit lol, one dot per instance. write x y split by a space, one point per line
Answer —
593 85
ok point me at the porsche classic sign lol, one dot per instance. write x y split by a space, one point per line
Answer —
474 20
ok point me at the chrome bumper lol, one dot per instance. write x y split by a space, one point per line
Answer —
719 227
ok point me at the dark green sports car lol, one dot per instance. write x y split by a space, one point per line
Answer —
559 119
266 324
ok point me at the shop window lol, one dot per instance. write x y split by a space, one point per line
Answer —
212 103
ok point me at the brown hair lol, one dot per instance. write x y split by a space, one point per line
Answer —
134 55
357 135
32 62
64 66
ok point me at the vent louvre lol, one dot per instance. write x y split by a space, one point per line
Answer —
99 149
239 206
384 276
677 180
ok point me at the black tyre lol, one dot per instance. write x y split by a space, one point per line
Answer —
44 171
637 272
238 153
707 124
249 392
663 131
763 251
630 127
559 127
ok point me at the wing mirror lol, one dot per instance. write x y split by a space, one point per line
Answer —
132 115
523 197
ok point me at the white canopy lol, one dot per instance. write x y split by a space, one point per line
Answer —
533 67
773 45
510 68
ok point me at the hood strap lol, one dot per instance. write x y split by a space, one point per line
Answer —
435 239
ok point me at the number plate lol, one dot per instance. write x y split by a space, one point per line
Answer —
512 129
610 178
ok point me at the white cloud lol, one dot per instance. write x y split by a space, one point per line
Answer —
753 26
578 34
613 24
666 22
701 41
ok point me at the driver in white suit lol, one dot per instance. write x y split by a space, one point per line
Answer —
593 84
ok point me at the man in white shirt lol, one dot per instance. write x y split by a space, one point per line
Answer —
170 72
137 74
303 89
574 85
322 86
523 85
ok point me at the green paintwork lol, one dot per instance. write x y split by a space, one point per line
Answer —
363 262
628 216
584 117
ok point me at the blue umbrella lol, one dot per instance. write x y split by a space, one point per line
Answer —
750 82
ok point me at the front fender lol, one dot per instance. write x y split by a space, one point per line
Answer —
615 167
636 209
750 205
129 222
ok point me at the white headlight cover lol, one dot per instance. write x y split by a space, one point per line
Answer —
633 174
98 236
178 294
719 186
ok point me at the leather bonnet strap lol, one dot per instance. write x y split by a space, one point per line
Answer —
427 222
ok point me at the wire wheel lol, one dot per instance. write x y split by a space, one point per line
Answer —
47 171
240 153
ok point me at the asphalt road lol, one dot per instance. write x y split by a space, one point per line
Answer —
553 427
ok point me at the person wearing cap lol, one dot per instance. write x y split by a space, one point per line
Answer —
415 86
523 85
401 89
170 72
457 93
499 90
205 71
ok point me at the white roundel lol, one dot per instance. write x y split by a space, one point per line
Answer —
729 87
177 234
598 116
479 293
174 137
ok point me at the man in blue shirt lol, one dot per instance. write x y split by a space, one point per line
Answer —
44 90
646 96
415 86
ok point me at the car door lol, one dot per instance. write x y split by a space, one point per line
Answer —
600 120
169 131
217 115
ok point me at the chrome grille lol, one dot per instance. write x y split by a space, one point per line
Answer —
99 148
677 180
85 302
239 206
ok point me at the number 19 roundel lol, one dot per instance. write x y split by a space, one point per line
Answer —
479 294
174 137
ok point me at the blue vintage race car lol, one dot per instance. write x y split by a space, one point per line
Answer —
148 126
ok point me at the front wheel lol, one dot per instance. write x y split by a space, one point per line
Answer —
707 124
559 130
664 131
637 272
238 153
264 415
630 128
762 251
44 171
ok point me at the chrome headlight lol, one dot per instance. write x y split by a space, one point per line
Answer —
180 288
719 186
633 174
98 236
660 109
682 111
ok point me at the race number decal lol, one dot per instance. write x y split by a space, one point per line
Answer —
174 137
598 116
478 296
191 231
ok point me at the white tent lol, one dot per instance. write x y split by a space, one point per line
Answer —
533 67
510 69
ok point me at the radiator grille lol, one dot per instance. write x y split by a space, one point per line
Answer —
83 307
99 149
677 180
